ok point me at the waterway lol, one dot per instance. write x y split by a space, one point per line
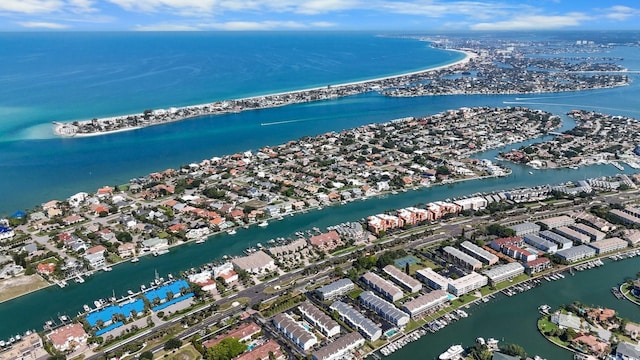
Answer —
32 310
513 319
92 162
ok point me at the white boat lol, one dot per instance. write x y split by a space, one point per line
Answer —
200 240
231 232
135 259
86 308
107 268
160 252
452 352
263 224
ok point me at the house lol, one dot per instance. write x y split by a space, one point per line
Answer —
127 249
155 244
262 352
29 348
68 337
46 269
96 260
255 263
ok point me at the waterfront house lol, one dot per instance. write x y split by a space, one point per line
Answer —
326 241
242 333
46 268
96 260
255 263
126 250
68 337
155 244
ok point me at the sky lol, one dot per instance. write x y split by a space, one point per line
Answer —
314 15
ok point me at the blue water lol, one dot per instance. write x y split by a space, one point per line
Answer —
49 77
59 76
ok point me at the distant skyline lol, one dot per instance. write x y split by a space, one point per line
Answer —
260 15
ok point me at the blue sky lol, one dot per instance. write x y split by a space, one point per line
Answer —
401 15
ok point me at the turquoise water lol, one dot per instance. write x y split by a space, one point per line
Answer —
36 168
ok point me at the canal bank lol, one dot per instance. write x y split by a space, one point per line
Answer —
32 310
513 319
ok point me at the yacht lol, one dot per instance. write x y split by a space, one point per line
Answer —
453 352
231 232
200 240
135 259
86 308
263 224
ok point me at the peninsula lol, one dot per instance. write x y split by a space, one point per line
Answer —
597 138
487 68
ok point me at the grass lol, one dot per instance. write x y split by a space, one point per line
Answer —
412 325
185 353
545 325
229 304
355 293
347 250
464 299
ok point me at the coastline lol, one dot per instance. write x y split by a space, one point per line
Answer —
72 129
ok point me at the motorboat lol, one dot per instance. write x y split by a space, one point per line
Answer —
453 352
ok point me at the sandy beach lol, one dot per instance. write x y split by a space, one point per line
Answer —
60 125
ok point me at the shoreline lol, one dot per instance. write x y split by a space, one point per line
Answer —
225 231
72 130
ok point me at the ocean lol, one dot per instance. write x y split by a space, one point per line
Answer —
68 76
49 77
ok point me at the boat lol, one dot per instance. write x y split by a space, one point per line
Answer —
453 352
231 232
530 172
107 268
160 252
135 259
86 307
263 224
79 279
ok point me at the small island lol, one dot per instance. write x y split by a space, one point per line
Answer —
590 332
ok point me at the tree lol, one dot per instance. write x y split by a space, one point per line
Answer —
146 355
513 350
226 349
124 237
173 343
406 268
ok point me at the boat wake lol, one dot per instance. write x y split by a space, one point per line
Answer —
282 122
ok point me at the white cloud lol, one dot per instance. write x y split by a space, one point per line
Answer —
533 22
42 25
436 9
181 7
31 6
621 13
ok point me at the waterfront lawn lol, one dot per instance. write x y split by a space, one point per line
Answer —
412 325
20 285
546 326
464 299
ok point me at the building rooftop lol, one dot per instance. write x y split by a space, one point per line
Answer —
257 260
343 342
